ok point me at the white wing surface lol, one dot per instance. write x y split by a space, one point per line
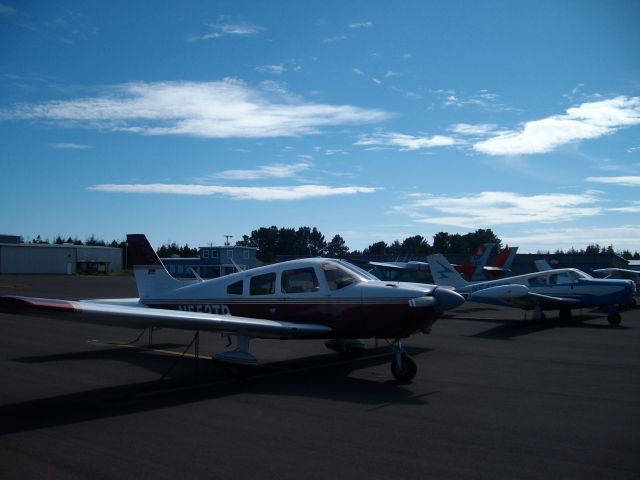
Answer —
129 313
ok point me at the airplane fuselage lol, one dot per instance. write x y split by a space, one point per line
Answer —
315 291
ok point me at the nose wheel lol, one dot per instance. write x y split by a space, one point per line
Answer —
403 368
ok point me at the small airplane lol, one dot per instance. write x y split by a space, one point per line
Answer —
475 267
317 298
612 273
560 289
622 273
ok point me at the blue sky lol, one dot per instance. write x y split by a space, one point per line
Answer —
373 120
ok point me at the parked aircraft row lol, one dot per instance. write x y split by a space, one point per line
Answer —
475 268
561 289
318 298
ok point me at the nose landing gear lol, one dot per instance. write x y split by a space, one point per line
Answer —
403 367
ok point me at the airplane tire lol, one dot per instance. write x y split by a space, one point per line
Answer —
614 318
565 314
405 371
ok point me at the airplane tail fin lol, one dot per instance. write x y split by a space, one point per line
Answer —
473 268
542 265
443 272
152 278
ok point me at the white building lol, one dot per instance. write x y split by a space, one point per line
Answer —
65 259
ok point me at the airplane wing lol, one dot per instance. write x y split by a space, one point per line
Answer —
131 314
520 296
546 302
392 266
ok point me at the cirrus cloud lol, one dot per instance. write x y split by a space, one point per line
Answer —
625 181
287 193
499 208
405 142
223 109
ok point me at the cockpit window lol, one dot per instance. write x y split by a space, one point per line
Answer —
235 288
299 280
263 284
538 281
338 276
563 278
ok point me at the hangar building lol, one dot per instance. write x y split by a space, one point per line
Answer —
65 259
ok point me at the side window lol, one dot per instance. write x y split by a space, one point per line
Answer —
300 280
537 281
263 284
235 288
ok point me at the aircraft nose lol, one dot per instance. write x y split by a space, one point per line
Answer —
447 299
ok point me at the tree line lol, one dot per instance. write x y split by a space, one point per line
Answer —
272 242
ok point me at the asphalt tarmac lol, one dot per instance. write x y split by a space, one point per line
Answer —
495 396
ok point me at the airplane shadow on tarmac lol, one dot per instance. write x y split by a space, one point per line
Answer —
320 376
510 329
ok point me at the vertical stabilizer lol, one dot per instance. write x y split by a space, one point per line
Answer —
443 272
542 265
152 278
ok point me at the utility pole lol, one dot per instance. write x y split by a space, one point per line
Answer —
227 237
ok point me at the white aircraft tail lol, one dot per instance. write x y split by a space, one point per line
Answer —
152 278
542 265
443 272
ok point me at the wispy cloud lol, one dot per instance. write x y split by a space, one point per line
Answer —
587 121
70 146
334 39
481 129
227 29
300 192
405 142
532 240
624 181
361 24
223 109
482 100
6 10
273 69
632 207
500 208
279 170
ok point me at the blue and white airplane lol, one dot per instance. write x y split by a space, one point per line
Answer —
561 289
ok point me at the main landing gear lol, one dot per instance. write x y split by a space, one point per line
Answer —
403 367
614 318
348 348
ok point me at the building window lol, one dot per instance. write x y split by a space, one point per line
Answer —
246 254
229 253
214 253
205 253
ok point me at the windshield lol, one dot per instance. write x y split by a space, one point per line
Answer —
338 276
583 275
360 271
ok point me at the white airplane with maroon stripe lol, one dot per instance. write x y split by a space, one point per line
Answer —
316 298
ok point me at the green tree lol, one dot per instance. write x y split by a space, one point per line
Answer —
337 247
378 248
